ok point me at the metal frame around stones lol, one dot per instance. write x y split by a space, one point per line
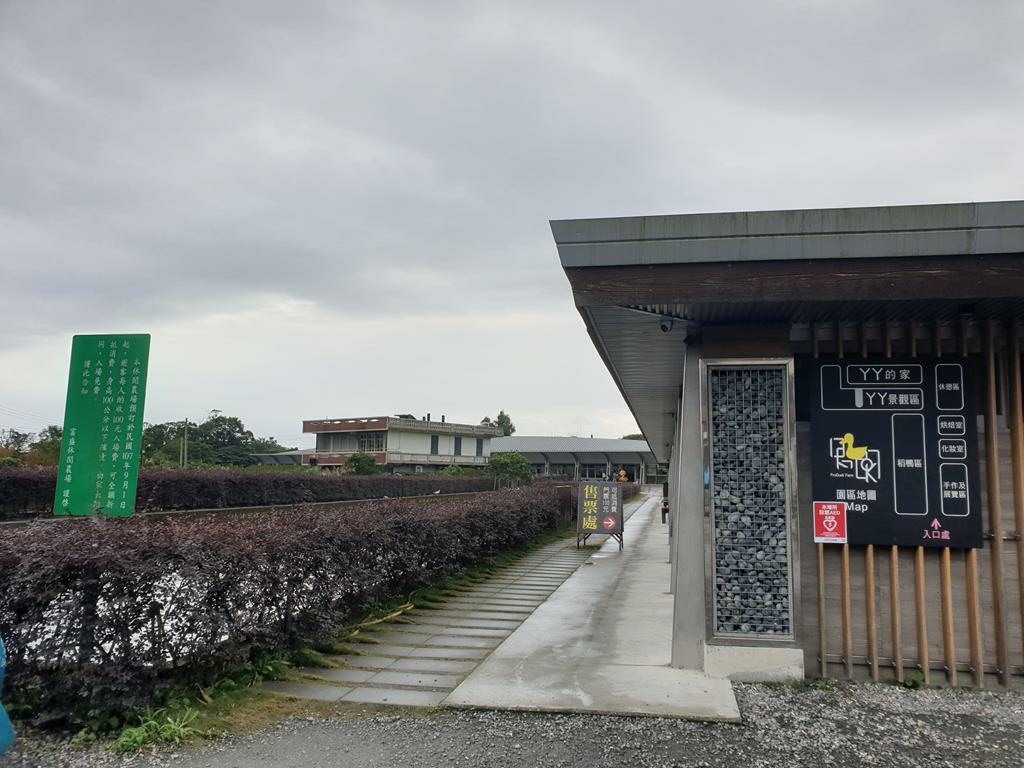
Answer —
792 523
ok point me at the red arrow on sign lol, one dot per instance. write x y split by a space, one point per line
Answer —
936 523
609 523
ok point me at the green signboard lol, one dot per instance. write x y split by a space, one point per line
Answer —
99 455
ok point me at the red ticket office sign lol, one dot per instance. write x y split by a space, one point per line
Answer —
830 522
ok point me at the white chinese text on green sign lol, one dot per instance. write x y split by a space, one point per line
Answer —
99 457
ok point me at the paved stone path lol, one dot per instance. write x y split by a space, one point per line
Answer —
419 658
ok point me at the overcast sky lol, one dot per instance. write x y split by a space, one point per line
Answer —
340 208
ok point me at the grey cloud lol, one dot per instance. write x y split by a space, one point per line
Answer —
165 159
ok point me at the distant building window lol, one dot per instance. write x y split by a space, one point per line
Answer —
433 445
371 442
458 446
479 446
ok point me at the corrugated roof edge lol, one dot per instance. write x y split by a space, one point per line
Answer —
714 236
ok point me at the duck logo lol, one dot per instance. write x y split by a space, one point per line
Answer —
865 462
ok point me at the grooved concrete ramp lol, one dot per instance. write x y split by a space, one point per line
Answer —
542 633
420 657
602 643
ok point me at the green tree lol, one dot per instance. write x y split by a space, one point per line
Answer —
161 444
510 469
219 441
45 450
634 436
361 464
267 445
505 422
15 441
222 432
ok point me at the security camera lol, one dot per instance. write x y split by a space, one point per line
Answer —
666 324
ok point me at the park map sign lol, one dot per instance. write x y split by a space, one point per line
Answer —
99 457
895 454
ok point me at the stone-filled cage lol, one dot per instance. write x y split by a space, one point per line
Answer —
747 409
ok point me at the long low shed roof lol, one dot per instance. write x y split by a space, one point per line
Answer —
569 450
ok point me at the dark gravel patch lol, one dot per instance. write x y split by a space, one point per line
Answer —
855 725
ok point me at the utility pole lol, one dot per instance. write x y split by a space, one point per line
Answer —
183 446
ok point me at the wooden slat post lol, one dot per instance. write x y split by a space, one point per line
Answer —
945 575
948 641
822 633
971 575
1017 455
995 511
920 608
869 564
974 619
869 588
895 614
922 616
847 613
845 575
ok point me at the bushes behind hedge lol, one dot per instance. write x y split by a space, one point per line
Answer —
31 489
101 614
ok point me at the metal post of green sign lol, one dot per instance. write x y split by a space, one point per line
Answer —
99 455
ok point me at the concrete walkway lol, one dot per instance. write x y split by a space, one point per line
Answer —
561 629
419 658
602 643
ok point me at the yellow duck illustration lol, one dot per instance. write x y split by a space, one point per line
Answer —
854 454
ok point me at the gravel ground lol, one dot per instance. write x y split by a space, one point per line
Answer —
855 725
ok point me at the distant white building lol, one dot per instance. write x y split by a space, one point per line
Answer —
583 457
398 443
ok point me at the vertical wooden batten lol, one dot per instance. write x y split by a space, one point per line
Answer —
971 574
948 640
847 613
922 617
869 564
895 612
822 625
1017 456
920 607
845 573
974 619
945 574
995 511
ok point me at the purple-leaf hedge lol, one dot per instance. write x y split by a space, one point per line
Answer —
101 614
27 490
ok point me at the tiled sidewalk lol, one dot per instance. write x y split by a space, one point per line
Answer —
419 658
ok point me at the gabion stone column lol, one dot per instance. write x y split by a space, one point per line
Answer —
752 588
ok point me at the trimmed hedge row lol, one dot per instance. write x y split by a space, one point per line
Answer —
101 614
30 490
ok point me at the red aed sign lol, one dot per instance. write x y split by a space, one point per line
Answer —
830 522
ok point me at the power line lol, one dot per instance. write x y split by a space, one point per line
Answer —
21 420
25 414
